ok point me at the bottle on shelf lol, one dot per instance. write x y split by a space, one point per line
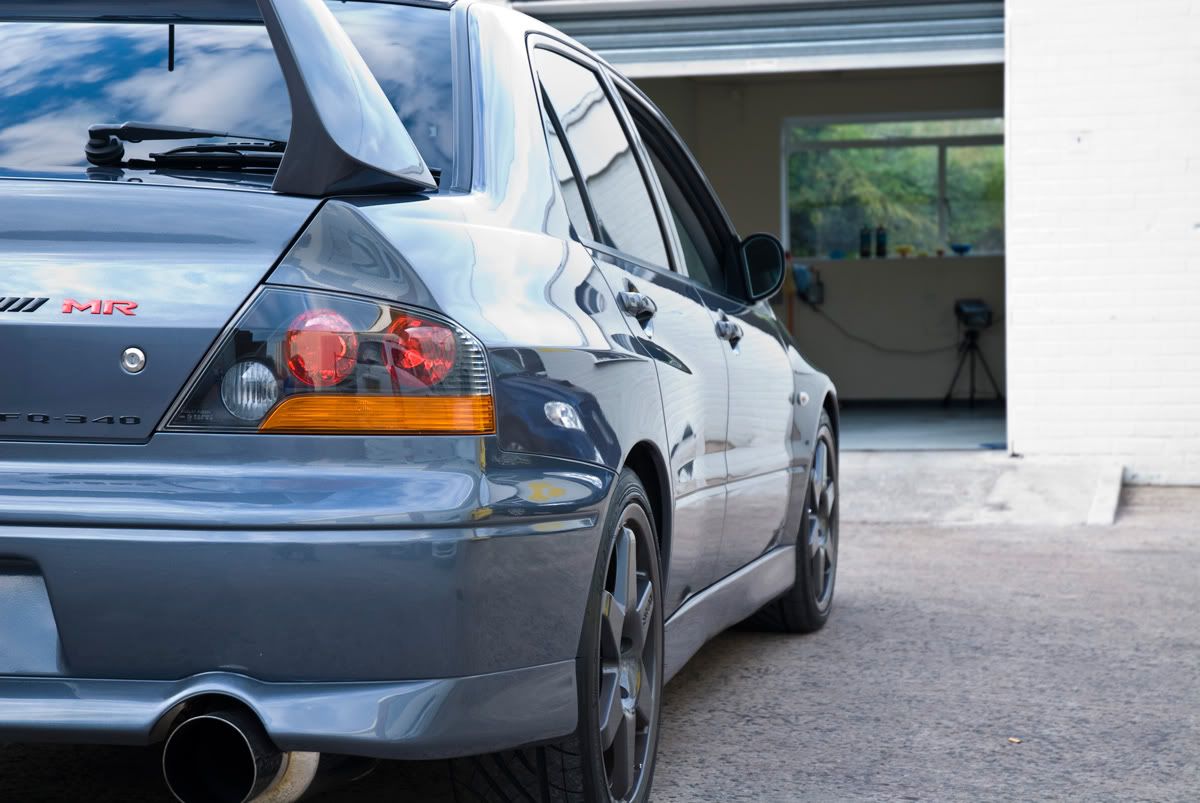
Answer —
881 241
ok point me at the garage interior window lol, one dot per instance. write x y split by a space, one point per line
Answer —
935 187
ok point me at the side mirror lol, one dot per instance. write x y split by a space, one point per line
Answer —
765 264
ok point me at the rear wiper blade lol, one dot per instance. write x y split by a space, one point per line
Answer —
223 156
105 141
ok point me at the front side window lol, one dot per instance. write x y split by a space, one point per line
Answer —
612 179
702 238
701 259
59 78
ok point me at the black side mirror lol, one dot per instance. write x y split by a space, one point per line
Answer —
765 264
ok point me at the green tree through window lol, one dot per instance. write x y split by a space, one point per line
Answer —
929 183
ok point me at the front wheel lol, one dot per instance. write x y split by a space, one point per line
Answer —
806 606
611 757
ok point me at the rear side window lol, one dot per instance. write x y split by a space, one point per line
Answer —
612 179
58 78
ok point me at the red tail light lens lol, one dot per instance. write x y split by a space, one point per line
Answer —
420 350
320 348
301 362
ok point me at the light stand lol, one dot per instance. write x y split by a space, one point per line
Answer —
974 316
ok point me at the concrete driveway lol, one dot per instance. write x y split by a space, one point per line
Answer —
963 663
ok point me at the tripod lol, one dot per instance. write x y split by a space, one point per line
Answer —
968 349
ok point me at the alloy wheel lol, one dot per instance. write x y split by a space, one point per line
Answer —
822 523
630 647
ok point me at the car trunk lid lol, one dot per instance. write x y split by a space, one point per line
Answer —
91 271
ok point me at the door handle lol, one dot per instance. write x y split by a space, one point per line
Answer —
638 306
728 330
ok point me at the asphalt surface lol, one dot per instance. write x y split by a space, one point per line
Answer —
948 645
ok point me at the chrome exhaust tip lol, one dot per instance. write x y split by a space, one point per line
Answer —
221 756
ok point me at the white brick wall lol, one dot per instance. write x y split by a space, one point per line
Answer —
1103 316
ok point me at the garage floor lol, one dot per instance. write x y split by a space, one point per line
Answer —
923 427
963 662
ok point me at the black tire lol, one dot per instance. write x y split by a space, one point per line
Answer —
805 608
582 768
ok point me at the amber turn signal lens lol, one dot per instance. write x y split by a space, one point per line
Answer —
382 415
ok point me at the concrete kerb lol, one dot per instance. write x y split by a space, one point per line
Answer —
978 488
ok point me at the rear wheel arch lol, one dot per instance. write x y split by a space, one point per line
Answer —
646 462
619 680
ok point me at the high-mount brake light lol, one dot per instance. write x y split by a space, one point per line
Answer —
298 362
321 348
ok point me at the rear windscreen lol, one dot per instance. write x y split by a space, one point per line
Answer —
58 78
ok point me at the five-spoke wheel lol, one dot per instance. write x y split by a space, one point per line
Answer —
630 653
821 524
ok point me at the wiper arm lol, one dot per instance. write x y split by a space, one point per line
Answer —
105 148
224 156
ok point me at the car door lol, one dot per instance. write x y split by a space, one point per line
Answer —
614 215
762 441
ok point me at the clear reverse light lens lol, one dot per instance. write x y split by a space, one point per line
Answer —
249 390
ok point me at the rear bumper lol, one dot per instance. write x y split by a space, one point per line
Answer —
311 606
445 623
402 720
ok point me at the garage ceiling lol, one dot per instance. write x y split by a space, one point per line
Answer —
652 38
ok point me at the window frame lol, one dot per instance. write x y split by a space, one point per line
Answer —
695 186
549 113
462 61
790 145
540 41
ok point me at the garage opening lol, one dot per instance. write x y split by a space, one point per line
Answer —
895 226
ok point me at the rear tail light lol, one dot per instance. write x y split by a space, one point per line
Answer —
321 348
420 349
367 414
299 362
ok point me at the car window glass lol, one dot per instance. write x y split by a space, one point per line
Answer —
58 78
567 179
611 176
701 260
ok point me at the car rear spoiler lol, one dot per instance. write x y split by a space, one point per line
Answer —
346 138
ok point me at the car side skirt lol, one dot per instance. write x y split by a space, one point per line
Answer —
726 603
